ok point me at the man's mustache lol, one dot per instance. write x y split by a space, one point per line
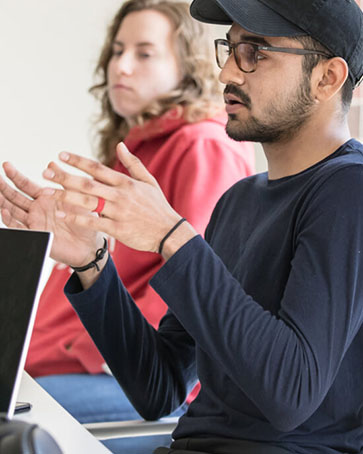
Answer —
233 90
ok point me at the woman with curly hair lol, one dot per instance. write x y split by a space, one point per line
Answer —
159 94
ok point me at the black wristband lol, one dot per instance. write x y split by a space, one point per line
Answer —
100 253
169 233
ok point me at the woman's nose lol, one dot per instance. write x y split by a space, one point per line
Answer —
124 63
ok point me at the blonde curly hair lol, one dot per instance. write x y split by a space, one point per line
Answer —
198 96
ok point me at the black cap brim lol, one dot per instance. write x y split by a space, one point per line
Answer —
251 15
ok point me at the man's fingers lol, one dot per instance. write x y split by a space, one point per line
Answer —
80 193
13 197
9 221
76 199
17 214
13 211
81 184
95 223
21 181
70 182
93 168
133 165
104 179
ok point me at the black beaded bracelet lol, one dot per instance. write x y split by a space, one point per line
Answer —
169 233
100 253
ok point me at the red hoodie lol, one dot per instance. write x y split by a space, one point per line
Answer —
194 164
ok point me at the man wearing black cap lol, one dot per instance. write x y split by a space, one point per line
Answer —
267 312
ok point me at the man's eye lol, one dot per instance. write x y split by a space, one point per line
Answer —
144 55
260 56
250 52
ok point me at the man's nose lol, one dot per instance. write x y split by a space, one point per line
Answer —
231 74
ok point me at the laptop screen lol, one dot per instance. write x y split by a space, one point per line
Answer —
22 256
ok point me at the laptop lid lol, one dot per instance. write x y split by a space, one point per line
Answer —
22 258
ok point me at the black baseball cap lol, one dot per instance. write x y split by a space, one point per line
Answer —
336 24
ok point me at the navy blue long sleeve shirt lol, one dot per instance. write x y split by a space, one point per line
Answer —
267 313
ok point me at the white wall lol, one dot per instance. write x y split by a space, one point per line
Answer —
48 51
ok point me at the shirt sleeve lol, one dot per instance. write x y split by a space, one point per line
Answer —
156 369
285 364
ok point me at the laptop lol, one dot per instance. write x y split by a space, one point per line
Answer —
23 254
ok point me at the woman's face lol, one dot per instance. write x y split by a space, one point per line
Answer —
143 65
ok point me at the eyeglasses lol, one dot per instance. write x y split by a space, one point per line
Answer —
246 54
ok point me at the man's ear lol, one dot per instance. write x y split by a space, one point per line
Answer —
329 77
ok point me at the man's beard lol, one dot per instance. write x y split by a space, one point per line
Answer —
283 122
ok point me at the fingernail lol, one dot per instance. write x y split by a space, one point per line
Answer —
60 214
48 191
48 173
64 156
124 147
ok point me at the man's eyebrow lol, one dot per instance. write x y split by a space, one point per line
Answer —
253 39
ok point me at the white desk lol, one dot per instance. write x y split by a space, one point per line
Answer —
48 414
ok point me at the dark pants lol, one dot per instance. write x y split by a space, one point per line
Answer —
219 446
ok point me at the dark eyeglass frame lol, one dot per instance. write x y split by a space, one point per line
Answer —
257 48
